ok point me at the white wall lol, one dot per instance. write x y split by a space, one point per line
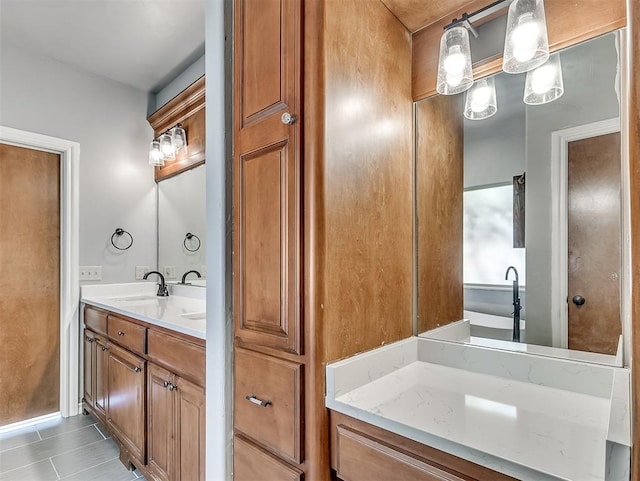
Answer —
589 71
108 119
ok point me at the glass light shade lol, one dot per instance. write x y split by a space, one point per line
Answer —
544 84
480 100
179 139
526 45
454 66
166 146
155 155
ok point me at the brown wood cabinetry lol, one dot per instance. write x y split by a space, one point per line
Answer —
146 385
362 452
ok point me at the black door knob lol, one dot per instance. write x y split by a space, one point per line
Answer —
578 300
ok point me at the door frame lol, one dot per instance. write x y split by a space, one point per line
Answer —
559 215
69 152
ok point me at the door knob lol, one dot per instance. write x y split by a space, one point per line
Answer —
578 300
287 118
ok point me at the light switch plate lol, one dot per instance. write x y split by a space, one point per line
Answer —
90 273
141 271
170 272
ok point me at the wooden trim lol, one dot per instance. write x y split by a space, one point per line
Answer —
317 420
569 22
186 103
633 114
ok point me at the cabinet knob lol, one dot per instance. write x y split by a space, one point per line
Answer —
287 118
137 369
257 401
172 387
90 339
104 348
120 333
578 300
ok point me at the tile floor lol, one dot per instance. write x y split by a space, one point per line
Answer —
71 449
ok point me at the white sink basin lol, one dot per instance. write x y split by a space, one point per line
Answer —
194 316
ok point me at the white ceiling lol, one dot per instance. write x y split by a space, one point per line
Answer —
141 43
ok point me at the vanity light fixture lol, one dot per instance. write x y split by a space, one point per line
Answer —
455 74
544 84
480 100
167 145
526 45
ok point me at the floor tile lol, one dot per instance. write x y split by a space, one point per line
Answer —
18 437
104 433
40 471
40 450
85 457
112 470
63 425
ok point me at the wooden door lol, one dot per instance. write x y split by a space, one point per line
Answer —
594 244
126 399
30 283
191 431
161 429
101 366
268 172
89 353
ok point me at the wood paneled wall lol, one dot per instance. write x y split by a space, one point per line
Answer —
366 179
439 172
568 22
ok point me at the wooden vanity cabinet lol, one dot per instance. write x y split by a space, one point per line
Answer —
146 384
363 452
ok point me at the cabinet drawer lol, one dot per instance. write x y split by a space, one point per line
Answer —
95 320
177 355
277 384
128 334
364 458
251 463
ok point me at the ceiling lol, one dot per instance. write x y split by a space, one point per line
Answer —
141 43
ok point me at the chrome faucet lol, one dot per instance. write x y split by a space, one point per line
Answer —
162 287
516 303
184 276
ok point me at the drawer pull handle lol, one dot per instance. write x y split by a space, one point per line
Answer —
120 333
257 401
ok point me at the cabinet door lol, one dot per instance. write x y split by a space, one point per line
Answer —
161 420
268 172
100 376
89 351
126 399
191 430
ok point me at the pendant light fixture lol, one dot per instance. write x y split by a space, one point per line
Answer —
480 100
179 138
155 155
454 66
544 84
166 146
526 45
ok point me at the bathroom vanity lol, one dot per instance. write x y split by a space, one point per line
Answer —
434 409
144 375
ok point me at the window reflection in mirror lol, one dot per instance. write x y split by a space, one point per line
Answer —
182 211
569 209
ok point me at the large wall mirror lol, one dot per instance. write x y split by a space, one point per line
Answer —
182 226
536 187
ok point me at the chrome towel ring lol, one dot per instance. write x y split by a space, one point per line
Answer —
189 237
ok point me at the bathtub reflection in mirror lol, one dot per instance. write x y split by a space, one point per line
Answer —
565 158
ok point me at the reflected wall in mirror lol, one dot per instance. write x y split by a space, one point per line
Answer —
182 211
569 269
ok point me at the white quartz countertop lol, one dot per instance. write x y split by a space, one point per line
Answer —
519 424
183 311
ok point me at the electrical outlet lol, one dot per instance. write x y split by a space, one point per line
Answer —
90 273
141 271
170 272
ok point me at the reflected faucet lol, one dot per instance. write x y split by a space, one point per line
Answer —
184 276
162 287
516 303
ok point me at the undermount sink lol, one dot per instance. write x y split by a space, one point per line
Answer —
194 316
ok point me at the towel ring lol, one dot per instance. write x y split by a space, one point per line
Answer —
189 237
119 232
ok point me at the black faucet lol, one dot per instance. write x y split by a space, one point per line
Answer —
516 304
162 287
184 276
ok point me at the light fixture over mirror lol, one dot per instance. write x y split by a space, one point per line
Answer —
455 74
544 84
167 145
526 45
480 100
